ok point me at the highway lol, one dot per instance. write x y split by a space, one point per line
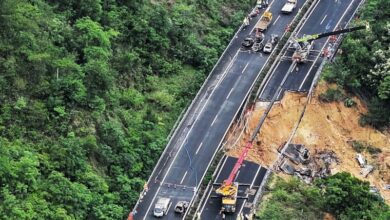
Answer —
327 16
191 149
324 17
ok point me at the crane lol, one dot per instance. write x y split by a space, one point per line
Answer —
303 46
229 189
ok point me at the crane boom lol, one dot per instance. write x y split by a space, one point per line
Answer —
238 164
318 36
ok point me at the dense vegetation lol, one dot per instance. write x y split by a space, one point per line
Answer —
89 91
343 196
364 66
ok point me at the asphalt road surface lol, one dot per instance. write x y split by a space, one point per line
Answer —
191 149
327 16
338 13
249 178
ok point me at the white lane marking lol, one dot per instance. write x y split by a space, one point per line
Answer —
223 164
307 18
245 67
217 176
182 179
242 206
326 42
257 173
205 202
237 174
200 146
227 69
323 19
253 181
214 120
276 19
269 78
231 90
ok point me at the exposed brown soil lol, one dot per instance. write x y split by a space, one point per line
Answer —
325 126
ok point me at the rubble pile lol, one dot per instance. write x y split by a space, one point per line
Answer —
325 126
298 162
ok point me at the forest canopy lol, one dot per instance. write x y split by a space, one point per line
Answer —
89 91
364 66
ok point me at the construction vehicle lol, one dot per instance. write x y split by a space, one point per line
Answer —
304 46
264 22
229 189
162 206
289 6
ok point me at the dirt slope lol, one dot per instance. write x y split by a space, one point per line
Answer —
328 126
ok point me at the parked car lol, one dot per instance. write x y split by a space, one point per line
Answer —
268 47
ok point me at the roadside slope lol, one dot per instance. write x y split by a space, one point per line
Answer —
325 126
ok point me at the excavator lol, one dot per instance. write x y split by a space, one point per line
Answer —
303 46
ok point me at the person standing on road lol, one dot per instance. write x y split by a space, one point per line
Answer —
246 22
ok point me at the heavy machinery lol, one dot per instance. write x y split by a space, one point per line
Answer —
229 189
304 46
264 22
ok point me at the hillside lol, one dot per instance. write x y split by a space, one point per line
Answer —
89 91
325 126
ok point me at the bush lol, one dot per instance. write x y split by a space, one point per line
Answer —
332 95
358 146
363 146
349 102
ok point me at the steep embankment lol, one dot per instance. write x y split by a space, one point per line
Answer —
325 126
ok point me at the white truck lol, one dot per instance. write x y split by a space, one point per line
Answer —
162 206
289 6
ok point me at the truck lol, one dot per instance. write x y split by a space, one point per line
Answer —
265 20
162 206
229 197
289 6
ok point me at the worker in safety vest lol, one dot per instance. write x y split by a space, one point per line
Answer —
246 22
